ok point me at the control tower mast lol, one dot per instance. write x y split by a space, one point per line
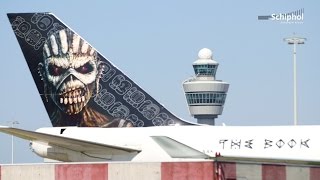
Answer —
205 95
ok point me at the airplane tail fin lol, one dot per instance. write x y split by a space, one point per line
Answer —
78 86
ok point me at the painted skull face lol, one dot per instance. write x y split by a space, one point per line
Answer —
69 71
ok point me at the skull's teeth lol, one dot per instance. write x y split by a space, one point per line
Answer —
71 100
65 100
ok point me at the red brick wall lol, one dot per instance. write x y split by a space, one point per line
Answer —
187 170
314 173
81 172
273 172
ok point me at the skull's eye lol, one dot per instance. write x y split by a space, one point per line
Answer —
86 68
56 70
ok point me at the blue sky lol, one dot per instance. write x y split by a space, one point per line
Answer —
155 43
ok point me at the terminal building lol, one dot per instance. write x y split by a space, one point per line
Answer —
205 95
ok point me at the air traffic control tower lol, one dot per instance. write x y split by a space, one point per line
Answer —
205 95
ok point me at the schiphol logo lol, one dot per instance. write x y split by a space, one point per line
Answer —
295 17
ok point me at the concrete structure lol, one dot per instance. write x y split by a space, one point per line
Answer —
206 170
205 95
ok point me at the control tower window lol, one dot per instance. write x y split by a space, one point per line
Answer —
205 69
206 98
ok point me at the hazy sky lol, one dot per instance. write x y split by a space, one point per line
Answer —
156 42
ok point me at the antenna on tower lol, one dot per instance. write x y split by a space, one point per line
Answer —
205 95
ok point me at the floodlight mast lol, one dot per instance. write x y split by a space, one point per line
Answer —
12 150
295 41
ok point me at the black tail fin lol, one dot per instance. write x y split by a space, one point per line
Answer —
78 86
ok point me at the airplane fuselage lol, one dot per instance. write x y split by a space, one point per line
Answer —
275 142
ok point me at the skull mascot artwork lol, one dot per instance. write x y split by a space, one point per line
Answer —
70 72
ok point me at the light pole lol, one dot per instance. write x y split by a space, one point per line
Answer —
12 125
295 41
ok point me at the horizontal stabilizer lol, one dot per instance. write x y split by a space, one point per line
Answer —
178 150
68 143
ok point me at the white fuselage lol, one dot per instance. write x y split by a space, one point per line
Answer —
272 142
